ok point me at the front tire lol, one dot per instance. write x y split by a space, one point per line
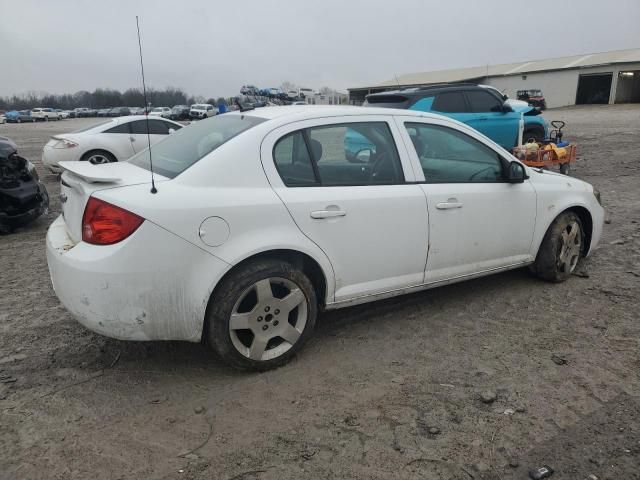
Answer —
261 315
561 249
535 133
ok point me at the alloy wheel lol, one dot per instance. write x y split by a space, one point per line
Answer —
97 159
268 319
570 248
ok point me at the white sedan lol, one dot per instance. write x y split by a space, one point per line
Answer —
111 141
164 112
261 220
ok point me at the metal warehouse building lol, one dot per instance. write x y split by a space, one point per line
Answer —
609 77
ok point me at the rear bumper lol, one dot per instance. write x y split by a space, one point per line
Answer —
52 156
151 286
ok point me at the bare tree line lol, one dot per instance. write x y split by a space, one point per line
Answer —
99 98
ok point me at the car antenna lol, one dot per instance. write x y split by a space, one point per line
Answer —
146 114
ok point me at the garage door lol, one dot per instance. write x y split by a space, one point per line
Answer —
628 87
594 88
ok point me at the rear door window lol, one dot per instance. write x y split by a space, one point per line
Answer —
350 154
450 102
481 101
158 127
122 128
293 161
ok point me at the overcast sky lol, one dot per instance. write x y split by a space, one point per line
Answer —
211 48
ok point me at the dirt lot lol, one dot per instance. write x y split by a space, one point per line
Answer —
389 390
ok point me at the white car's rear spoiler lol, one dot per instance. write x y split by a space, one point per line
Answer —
91 173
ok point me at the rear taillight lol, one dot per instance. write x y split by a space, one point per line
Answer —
106 224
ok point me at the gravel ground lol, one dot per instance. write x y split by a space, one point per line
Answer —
453 383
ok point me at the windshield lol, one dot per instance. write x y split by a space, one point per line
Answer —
157 109
185 147
199 107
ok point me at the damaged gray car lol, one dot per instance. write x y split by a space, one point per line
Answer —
23 198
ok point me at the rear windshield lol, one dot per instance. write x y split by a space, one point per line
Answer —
186 146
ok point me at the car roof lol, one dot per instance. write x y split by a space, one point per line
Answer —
288 113
427 89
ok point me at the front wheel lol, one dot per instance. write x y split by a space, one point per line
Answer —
561 249
533 133
261 315
565 168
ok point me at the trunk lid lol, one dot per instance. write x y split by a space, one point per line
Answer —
81 179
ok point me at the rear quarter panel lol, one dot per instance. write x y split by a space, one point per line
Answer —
229 183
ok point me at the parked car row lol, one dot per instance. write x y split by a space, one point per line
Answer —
277 93
34 115
178 112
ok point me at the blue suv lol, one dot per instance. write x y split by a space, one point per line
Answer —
481 107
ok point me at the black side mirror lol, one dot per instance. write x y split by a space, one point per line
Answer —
516 173
506 108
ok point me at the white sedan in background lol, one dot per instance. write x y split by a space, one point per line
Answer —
111 141
261 220
164 112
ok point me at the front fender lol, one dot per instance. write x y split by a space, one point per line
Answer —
549 211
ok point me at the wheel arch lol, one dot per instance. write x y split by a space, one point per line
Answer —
305 262
310 266
587 223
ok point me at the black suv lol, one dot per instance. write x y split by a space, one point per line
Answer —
481 107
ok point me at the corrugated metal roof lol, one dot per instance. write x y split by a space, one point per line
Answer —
561 63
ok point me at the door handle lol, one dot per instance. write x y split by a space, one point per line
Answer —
448 205
132 139
317 214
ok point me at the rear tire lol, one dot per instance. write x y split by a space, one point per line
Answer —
561 249
97 157
565 168
261 315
